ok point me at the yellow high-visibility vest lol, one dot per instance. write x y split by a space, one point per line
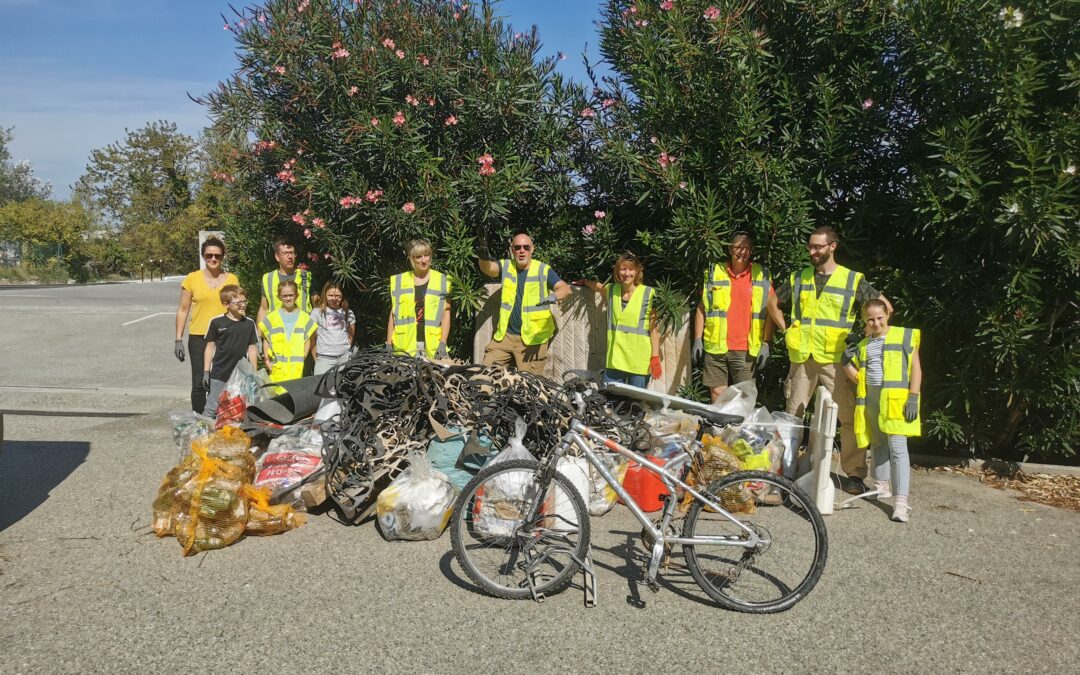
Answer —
900 345
270 283
629 348
716 300
402 292
537 323
820 324
287 350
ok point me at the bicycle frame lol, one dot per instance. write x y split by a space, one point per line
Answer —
577 435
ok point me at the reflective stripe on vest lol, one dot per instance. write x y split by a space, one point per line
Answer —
287 350
716 300
270 283
900 345
537 323
403 307
629 347
820 323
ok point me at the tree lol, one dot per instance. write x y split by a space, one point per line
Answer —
147 186
17 180
377 122
51 234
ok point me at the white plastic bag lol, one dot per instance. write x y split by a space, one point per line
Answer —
417 505
500 508
290 458
602 497
187 426
576 469
738 399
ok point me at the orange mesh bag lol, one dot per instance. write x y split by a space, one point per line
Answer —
265 519
200 500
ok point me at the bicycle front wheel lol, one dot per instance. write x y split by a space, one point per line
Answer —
781 568
514 539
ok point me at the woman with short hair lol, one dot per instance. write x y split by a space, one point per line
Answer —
419 322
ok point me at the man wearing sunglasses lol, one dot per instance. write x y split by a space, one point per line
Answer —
823 298
529 289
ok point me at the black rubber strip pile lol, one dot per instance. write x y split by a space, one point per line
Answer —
392 405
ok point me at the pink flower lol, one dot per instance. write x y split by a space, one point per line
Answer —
353 90
450 121
318 222
286 176
457 15
327 256
652 139
485 159
424 61
408 207
411 100
388 43
682 185
712 13
374 121
262 146
280 70
607 102
341 53
400 54
588 112
399 118
307 233
666 5
303 5
226 27
487 170
313 257
373 196
599 215
666 160
588 229
431 100
867 104
350 202
641 23
299 219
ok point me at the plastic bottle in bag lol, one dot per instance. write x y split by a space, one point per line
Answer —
500 503
417 505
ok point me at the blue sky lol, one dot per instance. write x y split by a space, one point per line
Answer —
75 73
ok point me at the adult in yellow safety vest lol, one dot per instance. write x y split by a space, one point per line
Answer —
419 320
288 333
526 325
285 254
887 373
823 300
633 337
735 319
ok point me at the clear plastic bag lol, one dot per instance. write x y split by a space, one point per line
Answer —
264 518
244 388
417 505
602 497
667 422
187 426
738 399
500 501
291 457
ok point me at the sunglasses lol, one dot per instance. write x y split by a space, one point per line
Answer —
521 247
239 303
213 256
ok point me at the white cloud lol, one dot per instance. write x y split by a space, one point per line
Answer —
61 115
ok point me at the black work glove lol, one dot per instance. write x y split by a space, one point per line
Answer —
389 348
206 380
549 300
911 408
440 352
763 355
178 350
850 352
697 352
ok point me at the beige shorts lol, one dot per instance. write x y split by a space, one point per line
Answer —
511 352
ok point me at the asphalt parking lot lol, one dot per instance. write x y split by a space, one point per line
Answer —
976 582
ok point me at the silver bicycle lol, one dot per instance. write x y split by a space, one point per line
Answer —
752 540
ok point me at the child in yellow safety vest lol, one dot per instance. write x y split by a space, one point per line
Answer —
888 376
633 338
288 333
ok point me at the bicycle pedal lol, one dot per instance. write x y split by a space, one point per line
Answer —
653 585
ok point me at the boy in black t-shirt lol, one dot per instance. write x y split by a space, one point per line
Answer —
229 338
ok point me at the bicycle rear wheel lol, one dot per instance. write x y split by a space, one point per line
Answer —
782 568
501 548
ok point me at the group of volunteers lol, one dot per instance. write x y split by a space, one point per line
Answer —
291 328
875 382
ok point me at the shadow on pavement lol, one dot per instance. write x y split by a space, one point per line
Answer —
29 470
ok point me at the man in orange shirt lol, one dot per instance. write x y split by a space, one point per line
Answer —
735 319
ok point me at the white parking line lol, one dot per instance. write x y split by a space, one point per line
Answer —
148 316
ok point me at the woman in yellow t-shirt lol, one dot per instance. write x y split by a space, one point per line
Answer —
200 297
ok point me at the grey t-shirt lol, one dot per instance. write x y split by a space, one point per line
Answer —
863 293
332 338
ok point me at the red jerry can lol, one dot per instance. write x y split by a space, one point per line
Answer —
645 486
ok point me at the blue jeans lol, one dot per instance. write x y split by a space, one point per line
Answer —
613 375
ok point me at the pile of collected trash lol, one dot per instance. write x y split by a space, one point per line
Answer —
402 437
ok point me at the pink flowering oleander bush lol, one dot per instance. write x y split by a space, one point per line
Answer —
363 125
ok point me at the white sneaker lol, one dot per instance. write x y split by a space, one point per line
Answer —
882 488
900 512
